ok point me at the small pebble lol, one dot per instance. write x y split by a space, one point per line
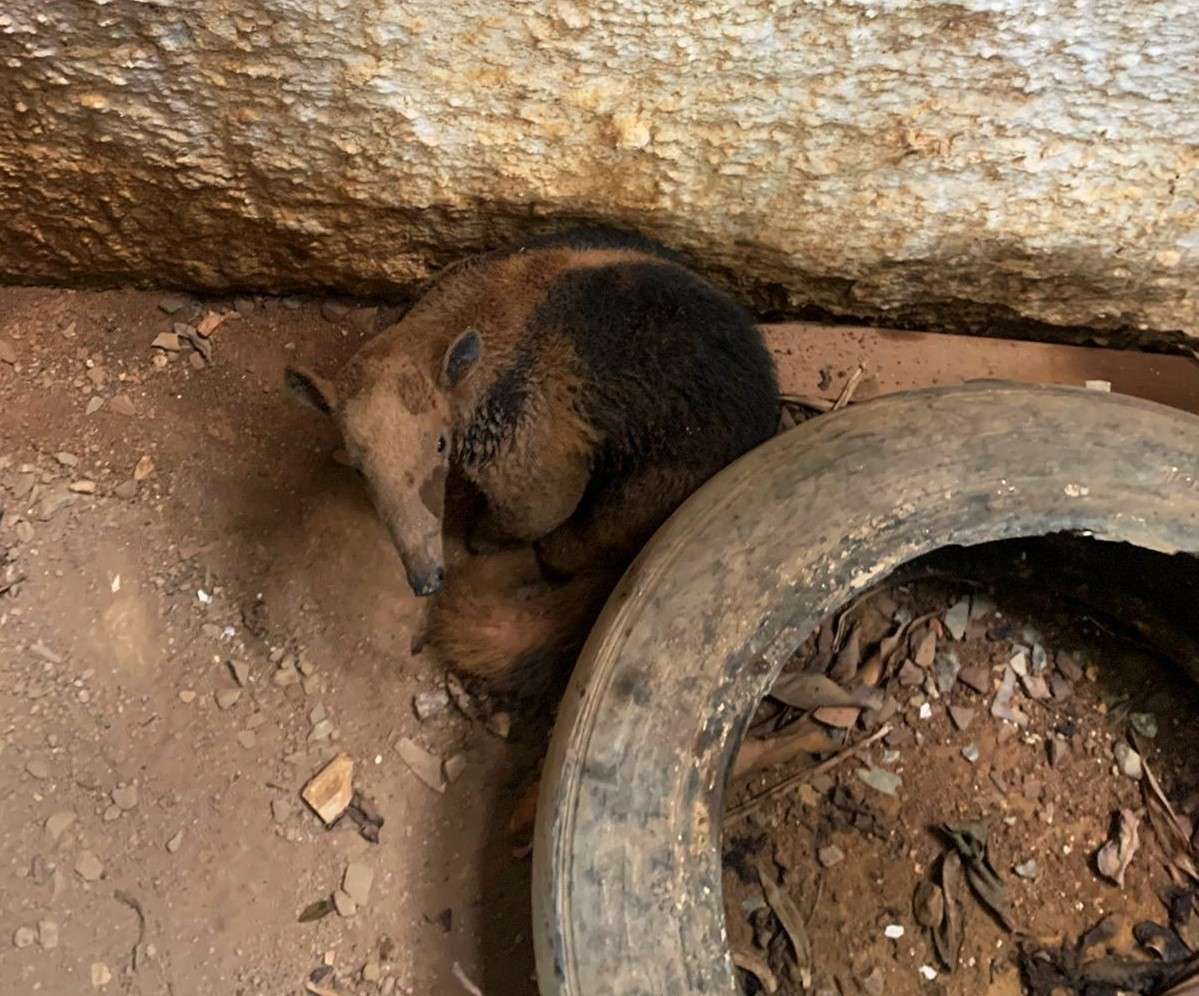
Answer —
426 705
37 768
894 931
101 976
187 696
122 404
946 669
971 753
241 672
882 781
67 459
247 739
126 490
976 678
285 676
23 937
125 796
47 934
58 824
957 618
875 983
344 904
175 843
334 311
280 810
962 716
94 404
1129 761
1145 723
928 973
321 730
357 882
1027 870
227 698
830 856
172 303
89 867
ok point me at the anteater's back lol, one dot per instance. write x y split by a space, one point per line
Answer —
674 369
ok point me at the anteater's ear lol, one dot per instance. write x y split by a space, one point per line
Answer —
461 358
311 390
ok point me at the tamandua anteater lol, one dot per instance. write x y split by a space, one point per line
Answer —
586 383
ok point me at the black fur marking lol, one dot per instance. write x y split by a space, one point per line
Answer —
498 414
675 373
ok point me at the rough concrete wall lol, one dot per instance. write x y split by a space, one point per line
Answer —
868 157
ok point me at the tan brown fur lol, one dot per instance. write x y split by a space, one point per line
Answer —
498 621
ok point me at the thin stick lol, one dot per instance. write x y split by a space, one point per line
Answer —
737 812
851 385
807 401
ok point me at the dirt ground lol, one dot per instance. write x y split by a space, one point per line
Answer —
199 609
151 840
1044 779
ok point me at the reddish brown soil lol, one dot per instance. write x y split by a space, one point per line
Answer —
1059 816
246 505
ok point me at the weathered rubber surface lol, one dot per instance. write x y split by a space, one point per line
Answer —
627 862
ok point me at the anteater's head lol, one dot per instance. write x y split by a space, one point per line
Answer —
395 412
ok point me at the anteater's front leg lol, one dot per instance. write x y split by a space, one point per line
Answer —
616 523
525 503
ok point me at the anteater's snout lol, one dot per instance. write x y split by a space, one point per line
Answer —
426 582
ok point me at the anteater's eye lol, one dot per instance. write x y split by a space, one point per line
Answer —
441 444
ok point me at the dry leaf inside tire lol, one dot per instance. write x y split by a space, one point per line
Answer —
789 916
1116 855
970 840
949 937
810 691
928 905
766 753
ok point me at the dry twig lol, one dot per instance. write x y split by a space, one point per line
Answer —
738 812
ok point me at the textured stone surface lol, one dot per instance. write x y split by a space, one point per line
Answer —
889 157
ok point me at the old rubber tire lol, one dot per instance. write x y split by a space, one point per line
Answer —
627 864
